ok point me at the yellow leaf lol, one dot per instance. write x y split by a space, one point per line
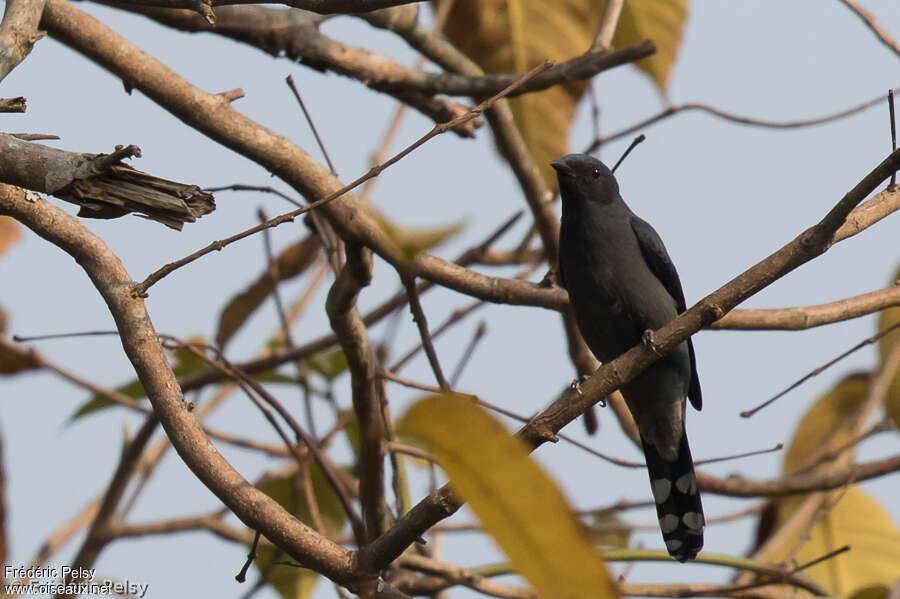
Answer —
661 21
819 431
889 318
290 263
857 520
516 502
411 242
876 591
505 36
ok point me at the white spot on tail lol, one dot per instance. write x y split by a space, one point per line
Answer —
668 523
661 489
673 545
687 484
694 522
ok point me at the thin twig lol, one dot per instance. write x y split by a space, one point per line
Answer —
734 118
422 323
141 289
820 369
873 25
893 130
290 82
628 150
477 336
242 575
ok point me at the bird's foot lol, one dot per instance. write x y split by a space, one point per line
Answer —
648 340
576 384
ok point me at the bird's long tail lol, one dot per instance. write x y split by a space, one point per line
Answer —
677 500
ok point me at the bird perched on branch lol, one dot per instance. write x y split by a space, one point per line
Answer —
622 286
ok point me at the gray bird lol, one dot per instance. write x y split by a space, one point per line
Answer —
623 285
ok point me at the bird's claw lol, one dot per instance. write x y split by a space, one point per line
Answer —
576 384
648 340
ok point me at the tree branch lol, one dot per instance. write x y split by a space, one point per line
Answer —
18 32
100 184
351 332
543 427
143 349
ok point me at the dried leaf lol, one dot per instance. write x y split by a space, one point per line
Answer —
14 357
9 232
505 36
290 263
515 500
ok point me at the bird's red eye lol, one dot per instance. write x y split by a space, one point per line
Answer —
595 173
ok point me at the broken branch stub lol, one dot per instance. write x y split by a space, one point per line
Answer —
101 184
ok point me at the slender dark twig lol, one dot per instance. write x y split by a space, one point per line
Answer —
480 331
632 146
737 456
734 118
418 313
820 369
242 575
263 188
290 81
893 131
141 288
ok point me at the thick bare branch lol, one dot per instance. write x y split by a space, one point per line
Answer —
805 317
142 347
18 32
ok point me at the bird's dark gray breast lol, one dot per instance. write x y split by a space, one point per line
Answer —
614 295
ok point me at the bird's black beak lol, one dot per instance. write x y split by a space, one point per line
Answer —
561 167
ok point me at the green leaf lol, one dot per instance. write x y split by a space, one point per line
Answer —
285 487
413 241
289 264
515 500
506 36
185 364
329 363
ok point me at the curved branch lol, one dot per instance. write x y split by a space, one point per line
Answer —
880 32
806 317
142 346
734 118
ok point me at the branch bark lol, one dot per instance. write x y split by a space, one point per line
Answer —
18 32
353 337
254 508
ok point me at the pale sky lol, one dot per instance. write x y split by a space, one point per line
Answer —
722 196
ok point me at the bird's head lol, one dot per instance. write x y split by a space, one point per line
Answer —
584 178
